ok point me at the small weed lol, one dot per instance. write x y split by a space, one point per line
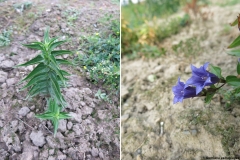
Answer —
106 19
190 47
230 97
226 30
47 78
20 7
228 3
101 58
71 15
227 140
115 2
150 34
5 37
103 96
117 132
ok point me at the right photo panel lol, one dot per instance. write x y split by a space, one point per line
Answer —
180 79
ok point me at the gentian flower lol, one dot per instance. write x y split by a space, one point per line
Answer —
201 78
180 92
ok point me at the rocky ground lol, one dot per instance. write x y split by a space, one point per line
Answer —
192 129
93 130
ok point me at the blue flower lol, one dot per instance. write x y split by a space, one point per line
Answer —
180 92
201 78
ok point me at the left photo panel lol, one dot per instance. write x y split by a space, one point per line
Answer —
60 79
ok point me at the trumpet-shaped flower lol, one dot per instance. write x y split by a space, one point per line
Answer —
201 78
181 92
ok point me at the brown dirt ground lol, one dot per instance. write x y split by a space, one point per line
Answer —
94 134
192 129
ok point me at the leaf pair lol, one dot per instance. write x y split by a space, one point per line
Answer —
53 113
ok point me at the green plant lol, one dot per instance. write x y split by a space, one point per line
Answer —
102 96
102 59
5 37
20 7
190 47
47 78
53 113
71 15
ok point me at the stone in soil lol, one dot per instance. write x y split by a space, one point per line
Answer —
94 152
23 111
3 76
62 125
27 156
12 141
7 65
76 117
37 138
11 81
69 125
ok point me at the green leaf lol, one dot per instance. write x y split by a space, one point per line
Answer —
235 52
233 80
55 125
238 68
52 58
46 35
35 45
64 73
62 61
64 115
54 79
35 80
234 23
46 116
54 68
209 97
55 90
61 52
37 59
36 90
235 43
56 44
41 68
216 70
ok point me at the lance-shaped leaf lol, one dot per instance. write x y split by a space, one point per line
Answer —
62 61
36 90
36 80
238 68
209 97
57 71
60 52
35 45
235 43
233 80
40 69
56 44
55 122
37 59
65 73
235 52
46 35
52 40
234 23
216 70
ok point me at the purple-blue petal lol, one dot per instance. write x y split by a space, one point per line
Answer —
205 66
177 99
189 92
